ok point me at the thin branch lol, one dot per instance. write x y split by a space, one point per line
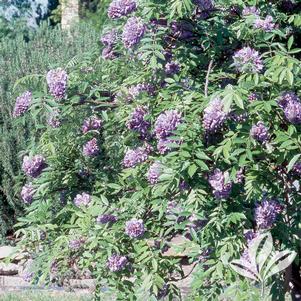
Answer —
207 77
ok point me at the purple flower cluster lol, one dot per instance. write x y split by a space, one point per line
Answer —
260 132
136 156
116 263
240 176
91 124
214 116
266 24
75 244
154 172
54 120
220 184
120 8
266 213
172 68
22 104
204 5
138 122
33 166
166 123
253 97
91 149
57 82
291 106
297 168
133 31
106 219
27 193
134 228
109 39
83 199
136 90
247 60
251 10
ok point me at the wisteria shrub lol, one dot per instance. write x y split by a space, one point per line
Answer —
186 125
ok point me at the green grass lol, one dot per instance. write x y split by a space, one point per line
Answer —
43 296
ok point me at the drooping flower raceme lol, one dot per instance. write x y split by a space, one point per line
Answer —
134 228
135 156
75 244
220 184
172 68
109 38
260 132
166 123
133 31
251 10
247 60
22 104
27 193
57 82
266 24
138 121
106 219
120 8
291 106
136 90
116 263
33 166
214 116
83 199
53 119
266 213
154 172
91 124
91 149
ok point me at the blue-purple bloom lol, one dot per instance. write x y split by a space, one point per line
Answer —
214 116
106 219
75 244
22 104
109 38
83 199
136 90
220 184
120 8
108 53
251 10
116 263
166 123
91 149
33 166
54 120
91 124
133 31
253 97
57 82
266 24
182 30
291 106
172 68
135 228
136 156
266 213
27 193
154 172
138 122
260 132
247 60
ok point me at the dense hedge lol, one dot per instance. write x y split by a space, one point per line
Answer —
24 60
187 125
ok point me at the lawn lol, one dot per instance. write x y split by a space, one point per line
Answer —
44 296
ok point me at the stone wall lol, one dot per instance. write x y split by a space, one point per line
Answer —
70 13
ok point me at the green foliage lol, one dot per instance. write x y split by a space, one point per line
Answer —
104 88
22 64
